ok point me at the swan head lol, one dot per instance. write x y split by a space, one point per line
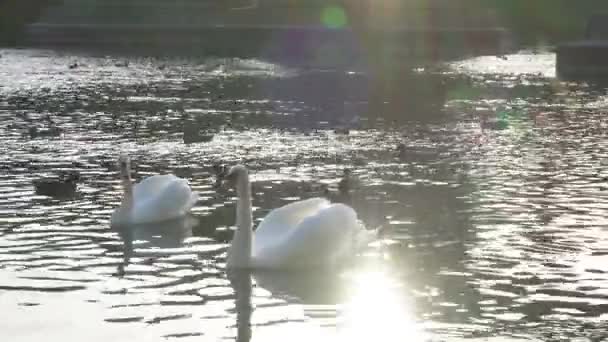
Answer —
237 177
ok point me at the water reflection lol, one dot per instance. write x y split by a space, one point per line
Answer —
376 309
310 287
240 280
361 303
161 235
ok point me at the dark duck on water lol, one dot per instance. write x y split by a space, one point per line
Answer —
62 186
194 134
52 130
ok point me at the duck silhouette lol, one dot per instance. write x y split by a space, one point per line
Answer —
35 132
50 131
220 171
342 193
346 183
194 134
416 153
62 186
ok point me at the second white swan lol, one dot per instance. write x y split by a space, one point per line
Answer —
308 233
154 199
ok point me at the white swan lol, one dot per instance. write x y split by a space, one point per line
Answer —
154 199
308 233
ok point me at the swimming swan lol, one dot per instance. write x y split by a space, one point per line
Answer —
308 233
154 199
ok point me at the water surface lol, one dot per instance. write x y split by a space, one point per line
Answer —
495 203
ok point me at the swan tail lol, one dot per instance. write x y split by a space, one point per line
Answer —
178 198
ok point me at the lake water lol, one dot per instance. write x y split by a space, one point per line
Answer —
494 209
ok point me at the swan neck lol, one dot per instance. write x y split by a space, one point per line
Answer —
239 255
127 185
244 220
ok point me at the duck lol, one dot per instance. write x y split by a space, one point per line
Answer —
52 130
311 233
63 186
155 199
344 189
191 137
35 132
346 183
194 134
219 170
342 130
416 153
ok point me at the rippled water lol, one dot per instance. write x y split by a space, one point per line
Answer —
494 207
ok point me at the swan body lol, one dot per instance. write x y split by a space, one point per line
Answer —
154 199
308 233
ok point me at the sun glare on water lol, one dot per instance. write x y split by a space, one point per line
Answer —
377 310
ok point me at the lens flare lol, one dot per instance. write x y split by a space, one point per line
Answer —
333 17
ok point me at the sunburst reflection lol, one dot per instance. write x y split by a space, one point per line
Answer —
377 309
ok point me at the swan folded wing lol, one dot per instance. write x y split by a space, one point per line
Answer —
279 221
152 186
319 239
175 200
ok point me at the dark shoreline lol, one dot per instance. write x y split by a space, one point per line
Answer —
290 44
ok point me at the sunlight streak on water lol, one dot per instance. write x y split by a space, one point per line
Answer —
376 309
523 63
